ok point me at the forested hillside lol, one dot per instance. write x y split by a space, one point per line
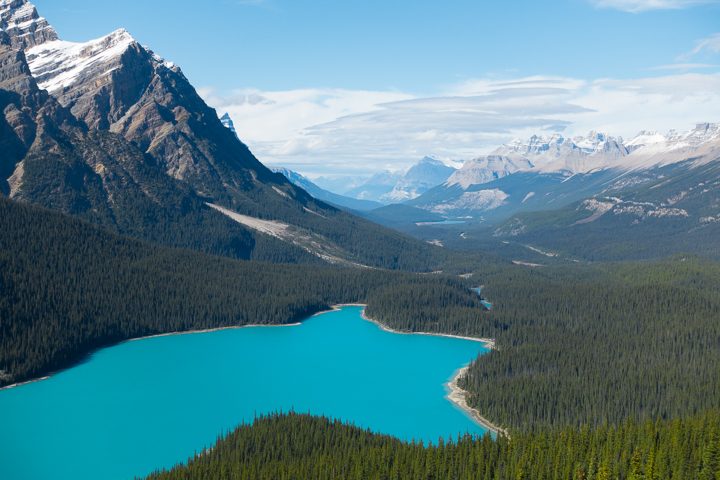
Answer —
67 287
595 344
584 344
577 345
302 447
580 347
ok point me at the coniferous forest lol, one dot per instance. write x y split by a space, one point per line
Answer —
299 446
67 288
601 371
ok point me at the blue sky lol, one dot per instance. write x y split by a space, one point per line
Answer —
356 86
411 45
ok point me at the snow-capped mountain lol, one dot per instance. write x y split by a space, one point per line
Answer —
645 213
228 123
375 187
418 179
58 65
22 24
652 149
110 132
551 171
396 187
557 153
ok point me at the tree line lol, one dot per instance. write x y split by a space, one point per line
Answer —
293 446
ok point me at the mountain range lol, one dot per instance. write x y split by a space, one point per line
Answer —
551 172
108 131
396 187
340 201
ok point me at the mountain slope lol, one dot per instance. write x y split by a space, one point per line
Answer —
326 196
133 147
674 209
54 160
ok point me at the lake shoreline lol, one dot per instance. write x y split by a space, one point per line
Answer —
148 337
458 396
169 334
489 343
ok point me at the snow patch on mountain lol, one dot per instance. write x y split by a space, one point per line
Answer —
418 179
59 64
20 20
228 123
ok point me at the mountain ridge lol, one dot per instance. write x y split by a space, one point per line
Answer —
538 173
133 147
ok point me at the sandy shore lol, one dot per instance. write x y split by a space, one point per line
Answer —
15 385
458 396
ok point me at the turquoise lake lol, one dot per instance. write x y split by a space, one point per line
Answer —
147 404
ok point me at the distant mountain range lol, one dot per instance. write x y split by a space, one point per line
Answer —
340 201
544 173
594 197
108 131
390 187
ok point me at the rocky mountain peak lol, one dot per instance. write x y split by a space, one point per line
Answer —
227 121
23 25
59 65
486 169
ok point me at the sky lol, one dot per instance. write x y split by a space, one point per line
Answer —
351 87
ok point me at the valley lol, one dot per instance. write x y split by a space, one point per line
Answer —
206 279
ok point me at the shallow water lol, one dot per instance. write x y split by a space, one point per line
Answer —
147 404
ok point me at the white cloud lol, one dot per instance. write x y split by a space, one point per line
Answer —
709 45
333 131
636 6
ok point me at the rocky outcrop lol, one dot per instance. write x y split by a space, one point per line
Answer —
22 24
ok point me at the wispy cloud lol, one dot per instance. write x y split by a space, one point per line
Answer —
323 131
637 6
709 45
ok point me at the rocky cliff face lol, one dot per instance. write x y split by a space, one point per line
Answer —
28 114
115 84
22 24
